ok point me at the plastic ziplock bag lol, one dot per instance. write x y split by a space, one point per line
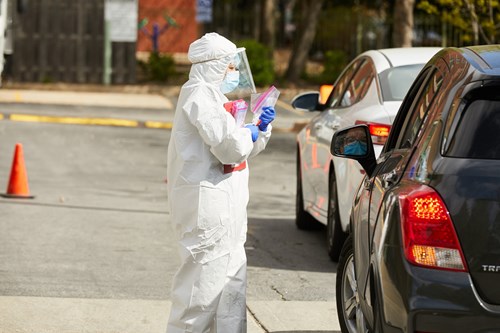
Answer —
238 109
259 101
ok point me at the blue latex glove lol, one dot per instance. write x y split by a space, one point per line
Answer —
255 131
266 117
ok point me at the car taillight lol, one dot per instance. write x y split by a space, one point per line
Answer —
429 237
379 132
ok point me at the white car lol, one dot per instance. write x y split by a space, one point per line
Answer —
369 91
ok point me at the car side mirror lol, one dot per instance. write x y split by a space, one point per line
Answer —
306 101
355 143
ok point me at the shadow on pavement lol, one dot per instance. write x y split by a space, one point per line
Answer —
306 332
278 244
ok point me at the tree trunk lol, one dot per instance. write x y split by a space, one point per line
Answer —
474 21
310 10
382 29
268 31
492 23
258 18
402 34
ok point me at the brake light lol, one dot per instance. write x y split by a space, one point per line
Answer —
379 132
429 237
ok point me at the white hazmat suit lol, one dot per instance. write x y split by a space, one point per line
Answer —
208 206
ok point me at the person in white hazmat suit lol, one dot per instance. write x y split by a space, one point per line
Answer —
208 195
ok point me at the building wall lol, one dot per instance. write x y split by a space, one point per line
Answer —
173 40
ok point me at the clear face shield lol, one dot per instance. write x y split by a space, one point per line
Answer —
238 82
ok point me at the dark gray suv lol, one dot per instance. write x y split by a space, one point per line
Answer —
423 253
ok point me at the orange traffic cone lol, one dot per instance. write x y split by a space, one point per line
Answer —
18 183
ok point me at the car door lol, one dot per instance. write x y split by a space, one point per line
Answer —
316 153
392 165
342 114
348 173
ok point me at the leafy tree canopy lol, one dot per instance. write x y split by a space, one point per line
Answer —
474 17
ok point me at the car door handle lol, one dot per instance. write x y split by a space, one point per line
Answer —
333 125
317 126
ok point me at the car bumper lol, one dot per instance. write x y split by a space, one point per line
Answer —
417 299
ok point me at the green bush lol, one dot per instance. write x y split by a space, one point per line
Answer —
261 62
158 68
334 62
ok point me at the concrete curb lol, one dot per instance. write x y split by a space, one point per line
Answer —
116 122
131 98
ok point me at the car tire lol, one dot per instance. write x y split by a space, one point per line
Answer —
303 220
335 236
349 311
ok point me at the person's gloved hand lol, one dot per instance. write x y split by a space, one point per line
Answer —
266 117
255 131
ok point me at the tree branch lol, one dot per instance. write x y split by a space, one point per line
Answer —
475 22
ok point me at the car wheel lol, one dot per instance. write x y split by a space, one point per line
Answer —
303 219
335 236
349 311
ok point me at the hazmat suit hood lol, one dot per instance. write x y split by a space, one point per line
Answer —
210 56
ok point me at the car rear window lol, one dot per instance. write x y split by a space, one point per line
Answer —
395 82
477 134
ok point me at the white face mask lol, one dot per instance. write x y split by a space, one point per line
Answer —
230 82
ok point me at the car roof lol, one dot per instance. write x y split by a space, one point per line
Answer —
404 56
485 58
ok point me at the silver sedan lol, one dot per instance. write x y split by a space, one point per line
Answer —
369 91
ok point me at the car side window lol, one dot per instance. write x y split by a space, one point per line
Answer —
419 110
476 135
405 110
358 85
342 83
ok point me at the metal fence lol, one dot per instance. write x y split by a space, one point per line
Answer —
63 41
349 29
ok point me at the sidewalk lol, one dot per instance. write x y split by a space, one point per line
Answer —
69 315
129 109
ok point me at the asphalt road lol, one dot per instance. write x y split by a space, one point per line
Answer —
98 228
